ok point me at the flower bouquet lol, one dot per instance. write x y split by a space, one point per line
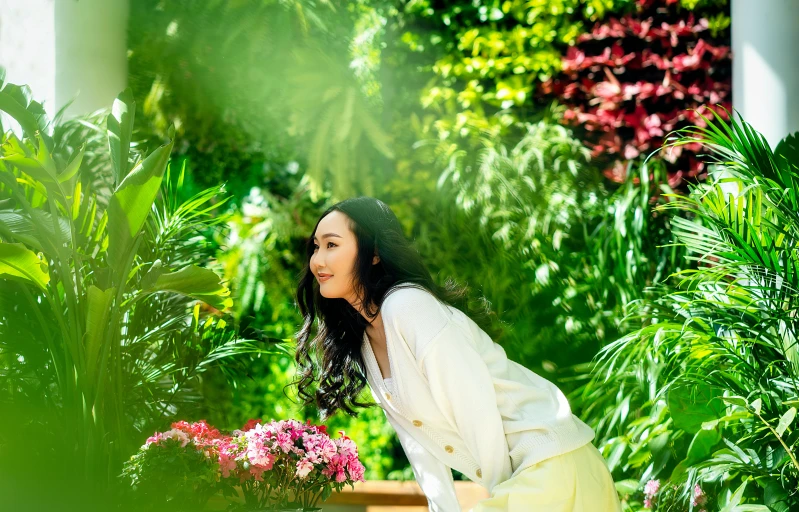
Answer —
281 465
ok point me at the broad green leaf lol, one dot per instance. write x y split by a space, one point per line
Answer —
11 104
702 446
97 313
41 167
737 415
736 498
692 405
20 263
120 128
627 487
74 165
199 283
756 405
130 205
736 400
20 226
786 420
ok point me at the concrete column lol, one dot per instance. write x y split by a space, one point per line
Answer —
765 65
66 50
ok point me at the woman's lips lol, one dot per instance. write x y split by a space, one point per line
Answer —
322 279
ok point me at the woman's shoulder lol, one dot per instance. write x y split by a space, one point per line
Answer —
409 298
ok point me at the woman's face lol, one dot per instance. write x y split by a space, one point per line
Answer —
335 249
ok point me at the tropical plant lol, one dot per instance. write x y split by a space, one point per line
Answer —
632 79
717 346
580 249
107 319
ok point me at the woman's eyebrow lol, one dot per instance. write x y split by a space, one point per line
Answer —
327 235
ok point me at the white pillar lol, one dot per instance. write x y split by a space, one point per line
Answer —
27 47
66 50
765 65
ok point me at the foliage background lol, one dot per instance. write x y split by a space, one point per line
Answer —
454 92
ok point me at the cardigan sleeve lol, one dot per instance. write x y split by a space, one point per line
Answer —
432 475
463 389
459 380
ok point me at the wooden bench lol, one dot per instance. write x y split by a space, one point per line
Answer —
385 496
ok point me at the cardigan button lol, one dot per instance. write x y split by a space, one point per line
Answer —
479 473
449 449
417 423
388 396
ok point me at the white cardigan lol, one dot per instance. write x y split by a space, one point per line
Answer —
457 401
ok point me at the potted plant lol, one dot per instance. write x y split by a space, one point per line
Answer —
281 466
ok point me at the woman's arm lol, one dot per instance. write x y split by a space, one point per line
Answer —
433 476
463 389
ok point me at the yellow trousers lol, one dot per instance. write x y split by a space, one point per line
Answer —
577 481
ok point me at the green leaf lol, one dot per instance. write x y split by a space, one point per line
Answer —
736 400
97 313
702 446
73 166
120 128
788 149
735 499
41 168
196 282
19 263
24 228
130 205
786 420
627 487
16 105
737 415
692 405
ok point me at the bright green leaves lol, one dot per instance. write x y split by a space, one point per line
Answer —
98 312
196 282
16 101
19 263
130 205
691 406
120 128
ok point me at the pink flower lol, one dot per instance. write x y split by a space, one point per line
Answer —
304 467
284 441
356 470
652 487
699 497
175 434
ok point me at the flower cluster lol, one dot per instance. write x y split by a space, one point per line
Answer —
650 491
279 463
653 487
699 498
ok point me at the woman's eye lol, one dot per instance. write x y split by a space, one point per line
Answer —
315 247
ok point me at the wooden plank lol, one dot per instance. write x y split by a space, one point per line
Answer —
386 496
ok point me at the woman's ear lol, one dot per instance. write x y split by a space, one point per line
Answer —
375 259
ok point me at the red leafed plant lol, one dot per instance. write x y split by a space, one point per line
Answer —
633 79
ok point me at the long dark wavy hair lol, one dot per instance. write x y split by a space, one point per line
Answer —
331 371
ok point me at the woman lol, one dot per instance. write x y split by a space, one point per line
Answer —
449 391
